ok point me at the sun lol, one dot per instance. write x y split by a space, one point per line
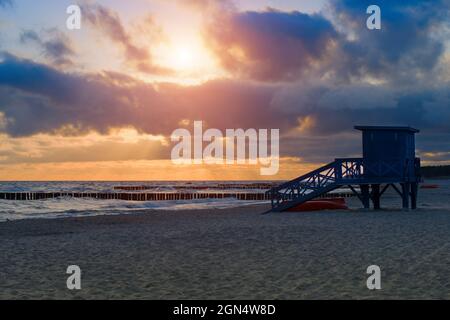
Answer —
184 58
190 60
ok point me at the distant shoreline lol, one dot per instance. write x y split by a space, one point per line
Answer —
436 172
437 178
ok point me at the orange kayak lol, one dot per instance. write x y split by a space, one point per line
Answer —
429 186
321 204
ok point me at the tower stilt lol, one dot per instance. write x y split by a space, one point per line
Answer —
376 196
414 192
405 195
365 195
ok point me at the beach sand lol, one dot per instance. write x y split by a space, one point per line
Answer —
229 254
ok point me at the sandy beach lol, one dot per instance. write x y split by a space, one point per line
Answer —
229 254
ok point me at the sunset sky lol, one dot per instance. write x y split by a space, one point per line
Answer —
100 103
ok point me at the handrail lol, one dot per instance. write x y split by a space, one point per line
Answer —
303 177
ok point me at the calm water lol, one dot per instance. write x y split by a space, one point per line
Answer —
76 207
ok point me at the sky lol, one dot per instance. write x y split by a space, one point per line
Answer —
100 103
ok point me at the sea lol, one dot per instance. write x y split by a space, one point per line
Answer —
80 207
62 207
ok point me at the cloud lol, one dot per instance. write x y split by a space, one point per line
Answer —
270 45
35 98
108 22
56 46
41 99
409 45
336 109
118 145
316 77
38 98
210 6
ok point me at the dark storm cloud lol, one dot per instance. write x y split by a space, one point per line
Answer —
270 45
55 46
37 98
327 113
42 99
336 109
322 149
410 42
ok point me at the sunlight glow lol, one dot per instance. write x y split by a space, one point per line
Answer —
185 58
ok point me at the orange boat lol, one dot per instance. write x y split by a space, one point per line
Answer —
321 204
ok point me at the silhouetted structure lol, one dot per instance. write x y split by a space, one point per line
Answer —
388 159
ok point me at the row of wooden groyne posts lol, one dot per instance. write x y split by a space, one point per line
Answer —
155 196
225 186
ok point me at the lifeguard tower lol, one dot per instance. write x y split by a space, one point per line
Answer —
388 160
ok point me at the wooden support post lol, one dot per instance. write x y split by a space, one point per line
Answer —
405 195
414 192
365 195
376 196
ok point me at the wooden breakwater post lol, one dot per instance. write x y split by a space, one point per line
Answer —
219 186
150 196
